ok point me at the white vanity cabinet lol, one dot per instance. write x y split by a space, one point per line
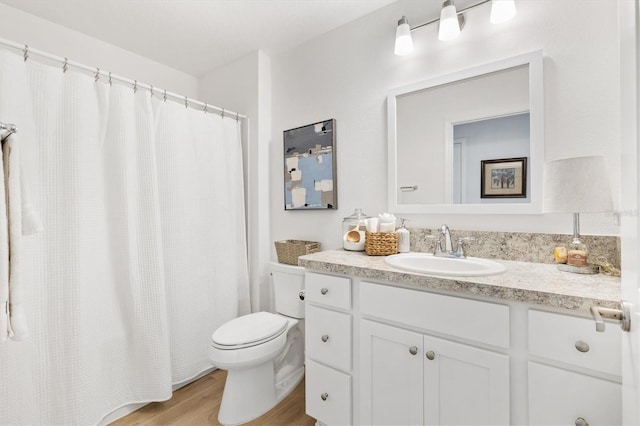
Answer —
328 345
395 353
413 378
573 372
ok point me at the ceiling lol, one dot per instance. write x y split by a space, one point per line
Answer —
197 36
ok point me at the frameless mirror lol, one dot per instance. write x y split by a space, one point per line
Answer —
469 142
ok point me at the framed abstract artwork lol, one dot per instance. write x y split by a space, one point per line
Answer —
503 178
310 167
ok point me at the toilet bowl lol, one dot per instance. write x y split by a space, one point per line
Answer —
263 352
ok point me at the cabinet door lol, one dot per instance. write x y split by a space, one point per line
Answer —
562 397
464 385
391 375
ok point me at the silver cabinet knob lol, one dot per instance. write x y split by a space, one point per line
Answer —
301 295
324 396
324 290
582 346
325 337
413 350
581 422
431 355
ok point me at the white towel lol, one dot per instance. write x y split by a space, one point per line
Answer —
17 207
5 329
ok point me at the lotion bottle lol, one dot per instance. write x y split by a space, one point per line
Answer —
404 238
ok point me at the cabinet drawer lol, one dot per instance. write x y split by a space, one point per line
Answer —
328 337
560 397
327 394
469 319
328 290
558 337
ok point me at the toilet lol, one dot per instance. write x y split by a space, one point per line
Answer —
263 352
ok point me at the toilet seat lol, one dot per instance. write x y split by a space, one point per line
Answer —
249 330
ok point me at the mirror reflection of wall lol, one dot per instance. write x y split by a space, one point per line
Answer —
488 139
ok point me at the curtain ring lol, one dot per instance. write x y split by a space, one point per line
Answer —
205 108
135 86
222 115
110 81
65 65
237 116
164 97
151 91
97 76
185 102
25 52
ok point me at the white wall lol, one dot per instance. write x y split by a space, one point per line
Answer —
345 74
23 28
244 86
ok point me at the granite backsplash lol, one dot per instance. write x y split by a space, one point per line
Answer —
524 247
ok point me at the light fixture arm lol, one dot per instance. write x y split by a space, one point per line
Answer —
433 21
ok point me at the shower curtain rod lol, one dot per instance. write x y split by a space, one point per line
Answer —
26 51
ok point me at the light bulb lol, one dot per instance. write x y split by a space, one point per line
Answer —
449 25
404 43
502 11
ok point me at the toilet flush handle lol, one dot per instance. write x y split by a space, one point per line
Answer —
301 295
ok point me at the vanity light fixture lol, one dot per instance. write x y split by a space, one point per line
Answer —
450 22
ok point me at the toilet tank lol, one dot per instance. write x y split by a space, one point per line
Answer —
288 282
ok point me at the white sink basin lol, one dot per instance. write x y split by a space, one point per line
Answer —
426 263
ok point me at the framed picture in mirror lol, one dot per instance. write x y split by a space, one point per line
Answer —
310 167
503 178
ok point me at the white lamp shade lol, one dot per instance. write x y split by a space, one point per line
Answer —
577 185
502 11
404 43
449 25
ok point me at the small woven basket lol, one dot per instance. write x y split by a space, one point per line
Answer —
288 251
380 243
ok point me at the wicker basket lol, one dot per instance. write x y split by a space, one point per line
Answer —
380 243
289 250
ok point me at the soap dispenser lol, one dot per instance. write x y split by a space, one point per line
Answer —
404 238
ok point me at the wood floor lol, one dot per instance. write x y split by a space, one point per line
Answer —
198 403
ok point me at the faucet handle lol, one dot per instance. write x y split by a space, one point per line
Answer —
461 241
435 238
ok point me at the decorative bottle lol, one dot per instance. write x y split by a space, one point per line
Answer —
577 253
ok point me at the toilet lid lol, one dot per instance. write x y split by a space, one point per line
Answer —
249 330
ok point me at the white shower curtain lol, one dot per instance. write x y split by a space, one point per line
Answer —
201 191
143 249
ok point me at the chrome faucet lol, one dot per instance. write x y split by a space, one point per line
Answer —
448 246
448 250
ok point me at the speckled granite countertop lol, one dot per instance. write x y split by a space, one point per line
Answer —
535 283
